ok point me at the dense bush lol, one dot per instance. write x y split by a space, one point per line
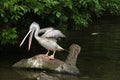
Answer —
63 13
8 36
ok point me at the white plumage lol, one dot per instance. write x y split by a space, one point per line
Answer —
48 40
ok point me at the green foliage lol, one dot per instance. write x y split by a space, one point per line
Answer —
112 6
12 10
9 36
78 11
70 13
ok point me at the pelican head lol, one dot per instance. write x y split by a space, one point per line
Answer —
33 27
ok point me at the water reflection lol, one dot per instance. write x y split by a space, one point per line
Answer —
98 60
43 75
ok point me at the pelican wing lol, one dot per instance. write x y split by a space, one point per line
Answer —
45 29
53 34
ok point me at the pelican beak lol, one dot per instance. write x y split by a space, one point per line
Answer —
30 38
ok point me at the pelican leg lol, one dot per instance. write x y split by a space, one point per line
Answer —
52 56
47 53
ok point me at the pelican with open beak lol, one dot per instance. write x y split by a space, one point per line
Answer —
48 40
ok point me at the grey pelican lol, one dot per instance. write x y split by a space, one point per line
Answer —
48 40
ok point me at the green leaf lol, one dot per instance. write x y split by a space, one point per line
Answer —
58 14
2 15
36 10
15 8
6 4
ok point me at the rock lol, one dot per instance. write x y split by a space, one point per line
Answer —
43 62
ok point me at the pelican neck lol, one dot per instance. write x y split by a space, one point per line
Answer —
36 31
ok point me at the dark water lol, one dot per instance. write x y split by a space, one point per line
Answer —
98 60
